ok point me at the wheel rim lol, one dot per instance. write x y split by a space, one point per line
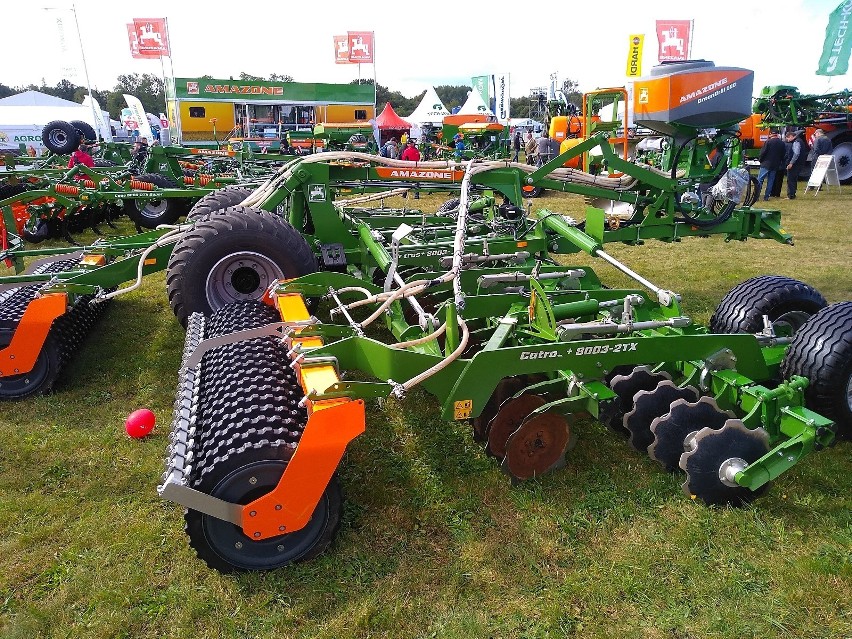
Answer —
153 208
58 137
240 276
849 394
234 546
788 324
21 385
843 160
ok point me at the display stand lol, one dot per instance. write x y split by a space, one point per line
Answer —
824 171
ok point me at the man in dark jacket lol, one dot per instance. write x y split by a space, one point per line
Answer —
797 162
771 159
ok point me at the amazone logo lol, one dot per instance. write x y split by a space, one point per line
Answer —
243 88
436 175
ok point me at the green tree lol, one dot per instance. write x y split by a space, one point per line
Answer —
147 87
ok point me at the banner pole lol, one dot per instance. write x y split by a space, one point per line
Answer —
86 71
177 122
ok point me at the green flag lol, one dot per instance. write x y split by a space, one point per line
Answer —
838 42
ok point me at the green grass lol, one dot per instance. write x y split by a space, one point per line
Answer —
435 541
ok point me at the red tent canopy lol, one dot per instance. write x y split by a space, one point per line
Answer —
389 120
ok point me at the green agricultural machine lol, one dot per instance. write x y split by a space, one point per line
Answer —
476 307
477 303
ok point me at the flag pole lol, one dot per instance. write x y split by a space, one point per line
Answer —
86 72
176 123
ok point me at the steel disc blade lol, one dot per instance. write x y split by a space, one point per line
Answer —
648 405
626 387
712 450
507 420
682 419
537 446
507 387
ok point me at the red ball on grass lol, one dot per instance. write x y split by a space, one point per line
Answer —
139 423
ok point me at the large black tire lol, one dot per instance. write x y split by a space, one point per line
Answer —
788 303
85 129
233 256
219 199
822 352
151 213
60 137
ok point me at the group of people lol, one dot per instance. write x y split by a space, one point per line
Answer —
790 156
410 152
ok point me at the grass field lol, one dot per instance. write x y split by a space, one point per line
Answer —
435 541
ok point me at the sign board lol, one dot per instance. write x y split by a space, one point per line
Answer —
824 171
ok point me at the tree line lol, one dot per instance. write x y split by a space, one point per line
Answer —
151 93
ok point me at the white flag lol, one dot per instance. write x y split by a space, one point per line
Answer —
141 118
101 126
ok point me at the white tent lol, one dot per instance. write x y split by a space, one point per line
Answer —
23 116
430 110
475 105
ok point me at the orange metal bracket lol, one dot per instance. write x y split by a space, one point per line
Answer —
21 354
289 507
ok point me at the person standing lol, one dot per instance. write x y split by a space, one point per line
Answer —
410 153
530 148
543 148
798 159
516 146
771 159
81 156
458 142
822 146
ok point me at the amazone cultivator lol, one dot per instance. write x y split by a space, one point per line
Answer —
477 312
478 305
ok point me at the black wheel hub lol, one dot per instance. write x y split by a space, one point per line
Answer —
234 546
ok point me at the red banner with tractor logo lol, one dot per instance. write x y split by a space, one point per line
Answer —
674 39
152 37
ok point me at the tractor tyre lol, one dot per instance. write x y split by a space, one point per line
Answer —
217 200
85 130
232 256
788 303
822 352
842 153
60 137
150 214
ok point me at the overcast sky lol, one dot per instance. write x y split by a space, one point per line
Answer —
418 42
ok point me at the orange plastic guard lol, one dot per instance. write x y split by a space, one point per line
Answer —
331 426
21 354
